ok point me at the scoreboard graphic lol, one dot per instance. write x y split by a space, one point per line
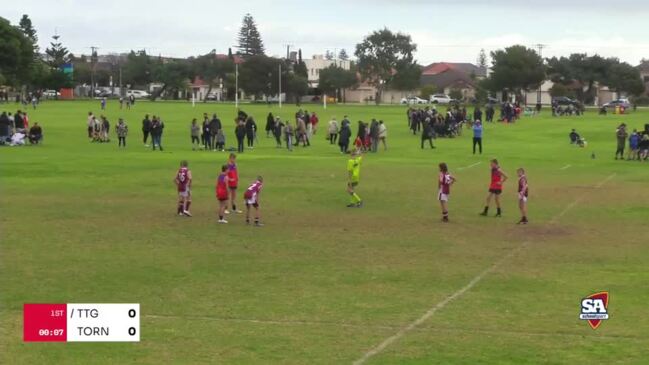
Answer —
73 322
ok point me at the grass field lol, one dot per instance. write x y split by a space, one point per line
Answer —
320 283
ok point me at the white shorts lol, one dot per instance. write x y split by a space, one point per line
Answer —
252 201
442 197
522 199
184 194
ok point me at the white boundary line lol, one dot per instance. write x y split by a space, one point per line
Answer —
468 167
565 167
429 313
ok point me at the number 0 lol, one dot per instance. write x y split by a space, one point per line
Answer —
131 331
131 313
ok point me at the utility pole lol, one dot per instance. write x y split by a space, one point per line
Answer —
93 62
279 95
540 47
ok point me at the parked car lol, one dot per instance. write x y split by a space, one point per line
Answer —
440 99
618 102
413 100
138 94
51 93
211 97
564 100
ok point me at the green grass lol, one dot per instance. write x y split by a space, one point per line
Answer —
320 283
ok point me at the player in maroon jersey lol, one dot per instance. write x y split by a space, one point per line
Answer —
444 183
183 183
222 192
522 195
233 181
251 197
498 178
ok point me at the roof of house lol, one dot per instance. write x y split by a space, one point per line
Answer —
235 57
463 67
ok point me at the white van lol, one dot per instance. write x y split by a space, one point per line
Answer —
138 94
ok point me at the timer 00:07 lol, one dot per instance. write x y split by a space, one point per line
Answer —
54 332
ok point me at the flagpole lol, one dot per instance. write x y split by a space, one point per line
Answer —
279 95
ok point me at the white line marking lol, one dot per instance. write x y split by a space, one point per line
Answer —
565 167
468 167
429 313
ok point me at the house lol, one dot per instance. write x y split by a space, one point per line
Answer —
643 67
446 76
319 62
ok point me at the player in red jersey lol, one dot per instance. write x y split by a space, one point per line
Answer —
498 178
183 183
522 195
251 197
444 183
233 181
222 192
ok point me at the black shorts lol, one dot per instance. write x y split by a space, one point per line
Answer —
352 184
255 204
496 191
232 187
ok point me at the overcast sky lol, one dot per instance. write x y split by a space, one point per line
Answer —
451 30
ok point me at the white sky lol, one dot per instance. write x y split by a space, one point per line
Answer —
450 30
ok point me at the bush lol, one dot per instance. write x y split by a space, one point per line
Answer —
640 100
427 91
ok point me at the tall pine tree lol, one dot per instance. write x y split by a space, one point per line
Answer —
250 43
26 26
57 55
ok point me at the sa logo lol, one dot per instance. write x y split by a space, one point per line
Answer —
594 309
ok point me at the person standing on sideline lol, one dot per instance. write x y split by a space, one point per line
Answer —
314 123
156 132
477 114
353 178
278 126
205 135
251 131
146 129
383 135
240 133
477 135
522 195
91 124
374 135
233 181
444 183
222 192
183 183
427 133
333 130
251 197
498 178
195 132
289 132
345 136
621 135
215 127
270 124
122 131
103 103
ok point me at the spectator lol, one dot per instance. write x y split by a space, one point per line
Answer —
146 129
621 135
270 124
251 132
374 135
333 130
314 123
157 127
634 144
195 132
288 131
427 134
277 131
35 134
215 127
240 133
477 114
383 135
122 130
477 135
220 140
344 136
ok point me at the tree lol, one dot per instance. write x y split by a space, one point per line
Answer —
16 54
516 68
624 78
329 55
257 73
210 69
382 55
333 79
456 94
173 75
26 26
343 55
138 69
297 86
427 90
56 53
482 60
250 43
559 89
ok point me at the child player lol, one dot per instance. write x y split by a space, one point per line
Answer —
251 197
183 183
354 174
522 195
233 180
498 177
444 183
222 192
